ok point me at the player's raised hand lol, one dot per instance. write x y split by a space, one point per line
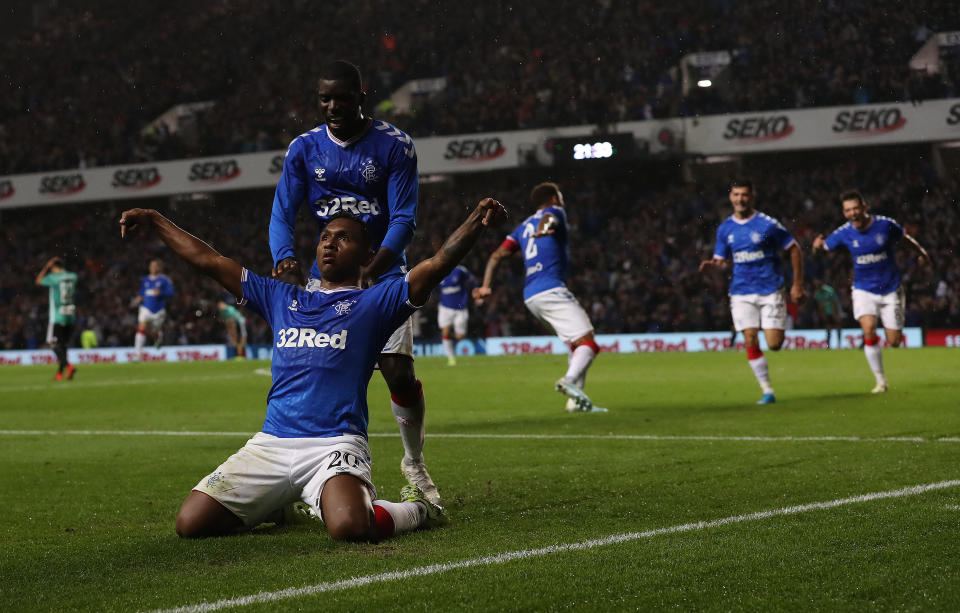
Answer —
480 293
132 218
493 212
798 294
288 271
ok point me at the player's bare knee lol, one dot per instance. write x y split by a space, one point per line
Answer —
775 346
399 374
351 527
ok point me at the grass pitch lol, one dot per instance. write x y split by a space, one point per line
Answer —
92 472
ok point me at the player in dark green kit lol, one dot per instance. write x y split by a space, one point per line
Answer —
63 311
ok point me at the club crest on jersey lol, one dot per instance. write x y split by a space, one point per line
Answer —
730 238
369 171
880 239
343 307
856 243
293 305
755 237
319 172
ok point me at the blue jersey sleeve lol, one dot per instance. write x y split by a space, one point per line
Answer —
782 236
393 302
258 293
403 190
167 288
894 230
721 249
835 239
290 194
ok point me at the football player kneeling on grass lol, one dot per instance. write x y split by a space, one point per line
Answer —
312 451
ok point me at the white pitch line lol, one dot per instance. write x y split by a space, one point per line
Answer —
454 435
502 558
75 385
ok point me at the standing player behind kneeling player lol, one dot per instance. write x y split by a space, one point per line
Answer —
877 292
453 310
155 289
236 325
63 311
752 240
313 446
542 239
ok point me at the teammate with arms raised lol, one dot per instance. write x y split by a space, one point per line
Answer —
542 241
753 241
313 445
368 169
877 294
155 289
453 311
63 311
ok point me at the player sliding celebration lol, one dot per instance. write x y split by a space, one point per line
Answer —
313 445
309 192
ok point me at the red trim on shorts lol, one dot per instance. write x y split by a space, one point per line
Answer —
409 401
870 342
383 527
753 353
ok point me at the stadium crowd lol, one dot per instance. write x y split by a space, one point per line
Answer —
82 91
635 247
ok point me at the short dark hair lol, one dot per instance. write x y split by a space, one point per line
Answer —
364 231
852 194
57 261
544 193
742 182
341 70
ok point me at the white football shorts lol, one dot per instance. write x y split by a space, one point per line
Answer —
558 308
453 317
766 311
269 472
888 307
150 320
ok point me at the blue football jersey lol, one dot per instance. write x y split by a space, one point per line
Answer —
546 258
754 246
155 292
326 344
874 264
455 288
372 176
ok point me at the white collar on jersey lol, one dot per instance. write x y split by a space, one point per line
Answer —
345 288
743 221
352 139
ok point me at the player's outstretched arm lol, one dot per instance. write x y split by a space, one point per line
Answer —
819 243
797 292
426 275
924 256
713 264
191 249
480 293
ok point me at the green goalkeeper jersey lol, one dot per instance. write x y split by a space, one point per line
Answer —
228 312
63 291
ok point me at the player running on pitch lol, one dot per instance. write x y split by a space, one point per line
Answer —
313 446
453 312
877 293
542 241
752 240
155 289
369 169
63 311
